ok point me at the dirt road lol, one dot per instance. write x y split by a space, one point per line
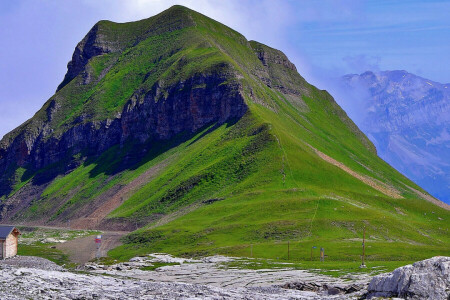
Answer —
84 249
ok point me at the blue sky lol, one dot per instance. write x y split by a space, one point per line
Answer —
324 38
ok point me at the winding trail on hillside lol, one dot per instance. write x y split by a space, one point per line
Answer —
313 218
376 184
383 188
283 160
429 198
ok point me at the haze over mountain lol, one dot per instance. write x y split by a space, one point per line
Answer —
207 142
407 117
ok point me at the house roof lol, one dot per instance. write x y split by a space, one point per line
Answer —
5 231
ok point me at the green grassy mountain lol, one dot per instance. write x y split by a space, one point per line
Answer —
208 143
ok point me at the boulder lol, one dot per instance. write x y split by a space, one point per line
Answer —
427 279
22 272
325 289
138 259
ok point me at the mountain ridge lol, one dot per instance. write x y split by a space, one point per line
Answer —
407 116
206 142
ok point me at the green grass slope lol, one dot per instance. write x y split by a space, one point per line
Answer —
295 196
293 168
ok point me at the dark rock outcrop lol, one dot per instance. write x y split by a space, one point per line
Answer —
324 289
277 69
93 44
148 116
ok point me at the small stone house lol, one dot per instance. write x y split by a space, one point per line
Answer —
9 239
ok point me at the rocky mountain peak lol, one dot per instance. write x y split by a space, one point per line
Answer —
406 116
179 115
93 44
106 37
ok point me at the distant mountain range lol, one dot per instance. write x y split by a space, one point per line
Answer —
407 117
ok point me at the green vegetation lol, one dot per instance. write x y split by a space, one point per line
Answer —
332 268
156 265
37 241
46 251
106 261
297 196
253 183
31 234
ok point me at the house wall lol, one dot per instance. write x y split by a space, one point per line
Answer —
10 246
2 249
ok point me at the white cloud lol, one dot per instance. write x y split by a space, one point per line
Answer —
361 63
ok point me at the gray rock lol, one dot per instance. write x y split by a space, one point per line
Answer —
20 261
138 259
324 290
22 272
44 284
427 279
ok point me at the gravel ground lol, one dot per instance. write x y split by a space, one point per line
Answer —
31 262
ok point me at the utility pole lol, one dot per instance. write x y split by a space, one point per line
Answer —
363 249
288 250
364 246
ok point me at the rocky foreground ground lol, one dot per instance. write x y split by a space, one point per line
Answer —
36 278
220 271
53 283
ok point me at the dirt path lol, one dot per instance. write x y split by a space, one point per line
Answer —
429 198
379 186
82 250
376 184
175 215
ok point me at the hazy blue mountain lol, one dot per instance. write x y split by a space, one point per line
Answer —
407 117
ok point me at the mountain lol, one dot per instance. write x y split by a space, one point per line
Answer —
208 143
407 117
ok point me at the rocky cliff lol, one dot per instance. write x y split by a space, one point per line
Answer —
407 117
189 106
153 112
179 124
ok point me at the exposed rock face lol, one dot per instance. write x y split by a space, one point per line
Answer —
427 279
93 44
271 75
356 290
147 116
276 58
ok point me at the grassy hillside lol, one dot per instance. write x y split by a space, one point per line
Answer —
293 168
298 197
